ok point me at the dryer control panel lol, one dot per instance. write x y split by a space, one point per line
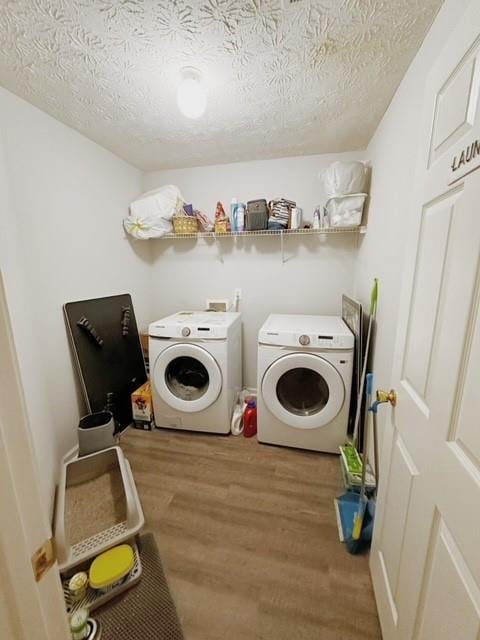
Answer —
306 332
305 340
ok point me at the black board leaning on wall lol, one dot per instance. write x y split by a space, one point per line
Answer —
106 346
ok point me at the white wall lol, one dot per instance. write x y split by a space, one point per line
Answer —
61 239
393 154
186 272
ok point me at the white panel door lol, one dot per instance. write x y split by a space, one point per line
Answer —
425 559
28 609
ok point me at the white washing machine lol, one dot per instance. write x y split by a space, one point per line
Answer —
195 370
304 380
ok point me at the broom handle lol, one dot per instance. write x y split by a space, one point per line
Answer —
365 434
362 385
375 446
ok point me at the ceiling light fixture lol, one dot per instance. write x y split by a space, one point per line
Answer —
191 93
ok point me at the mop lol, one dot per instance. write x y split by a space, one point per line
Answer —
356 512
351 507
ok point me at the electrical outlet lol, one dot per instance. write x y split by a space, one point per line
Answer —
217 304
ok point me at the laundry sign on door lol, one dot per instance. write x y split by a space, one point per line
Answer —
465 161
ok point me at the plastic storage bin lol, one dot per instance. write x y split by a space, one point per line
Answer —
97 507
345 211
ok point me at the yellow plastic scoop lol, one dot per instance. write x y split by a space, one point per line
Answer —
112 566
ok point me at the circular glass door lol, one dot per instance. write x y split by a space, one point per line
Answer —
187 377
303 390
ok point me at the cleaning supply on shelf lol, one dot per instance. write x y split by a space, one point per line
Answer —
237 216
240 217
316 219
250 419
233 216
110 568
222 222
295 218
324 224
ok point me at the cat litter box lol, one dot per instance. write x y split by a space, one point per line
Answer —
97 507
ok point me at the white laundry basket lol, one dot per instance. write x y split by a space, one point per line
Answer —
345 211
97 507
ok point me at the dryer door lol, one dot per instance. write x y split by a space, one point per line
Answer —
187 377
303 390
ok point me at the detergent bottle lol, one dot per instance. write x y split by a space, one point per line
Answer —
250 419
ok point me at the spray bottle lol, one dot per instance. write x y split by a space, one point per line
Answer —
233 214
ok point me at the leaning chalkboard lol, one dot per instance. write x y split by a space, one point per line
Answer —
107 350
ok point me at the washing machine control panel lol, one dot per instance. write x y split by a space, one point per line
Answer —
187 332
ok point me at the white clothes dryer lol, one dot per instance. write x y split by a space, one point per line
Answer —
304 379
195 370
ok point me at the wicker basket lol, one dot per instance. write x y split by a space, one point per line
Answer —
184 225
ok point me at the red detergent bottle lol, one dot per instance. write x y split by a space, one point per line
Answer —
250 419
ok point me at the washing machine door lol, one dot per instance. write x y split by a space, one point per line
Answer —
303 390
187 378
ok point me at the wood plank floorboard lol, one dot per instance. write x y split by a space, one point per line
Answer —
248 538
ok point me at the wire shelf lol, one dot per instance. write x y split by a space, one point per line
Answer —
265 232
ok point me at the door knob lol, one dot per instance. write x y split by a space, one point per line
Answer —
387 396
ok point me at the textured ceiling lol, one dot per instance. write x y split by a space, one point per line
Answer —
284 77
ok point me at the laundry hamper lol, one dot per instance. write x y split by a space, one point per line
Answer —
97 507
